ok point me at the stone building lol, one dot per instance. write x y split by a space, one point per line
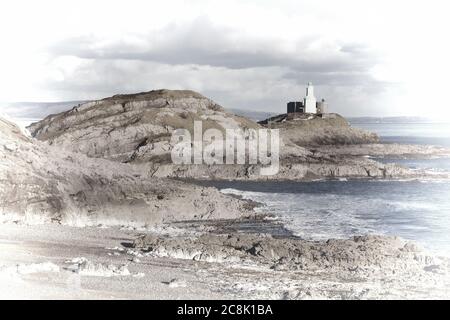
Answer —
295 106
321 107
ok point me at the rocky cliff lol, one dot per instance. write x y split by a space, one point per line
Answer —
135 127
41 183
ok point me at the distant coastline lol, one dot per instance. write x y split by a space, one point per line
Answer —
38 110
397 119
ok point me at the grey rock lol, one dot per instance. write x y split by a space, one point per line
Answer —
41 183
359 255
133 128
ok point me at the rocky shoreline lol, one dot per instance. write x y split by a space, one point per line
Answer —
387 150
105 164
210 261
290 170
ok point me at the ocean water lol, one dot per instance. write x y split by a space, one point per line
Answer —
414 210
422 133
429 133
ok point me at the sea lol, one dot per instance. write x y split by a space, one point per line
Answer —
417 210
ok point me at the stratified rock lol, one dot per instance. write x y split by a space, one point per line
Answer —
43 183
360 254
134 127
390 150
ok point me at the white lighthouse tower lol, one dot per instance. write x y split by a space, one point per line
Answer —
310 101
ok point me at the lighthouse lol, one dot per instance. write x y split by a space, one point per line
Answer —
308 105
309 101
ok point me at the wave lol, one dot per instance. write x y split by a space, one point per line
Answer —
414 210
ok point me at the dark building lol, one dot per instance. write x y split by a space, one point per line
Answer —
299 107
295 106
291 107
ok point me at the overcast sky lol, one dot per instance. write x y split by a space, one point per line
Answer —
377 58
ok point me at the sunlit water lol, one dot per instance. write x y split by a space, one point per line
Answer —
415 210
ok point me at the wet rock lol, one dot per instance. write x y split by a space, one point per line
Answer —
357 255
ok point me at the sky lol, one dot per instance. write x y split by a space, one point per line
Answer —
366 58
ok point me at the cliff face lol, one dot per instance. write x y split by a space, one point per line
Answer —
41 183
136 127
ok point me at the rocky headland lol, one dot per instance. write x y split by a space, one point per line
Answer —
137 129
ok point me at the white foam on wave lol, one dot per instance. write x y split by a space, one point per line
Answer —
412 209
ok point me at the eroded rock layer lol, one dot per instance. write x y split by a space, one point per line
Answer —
44 183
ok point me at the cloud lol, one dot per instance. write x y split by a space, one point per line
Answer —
243 53
201 42
239 70
35 110
99 78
